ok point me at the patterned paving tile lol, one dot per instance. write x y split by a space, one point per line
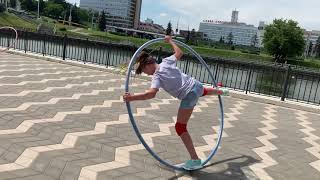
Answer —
66 122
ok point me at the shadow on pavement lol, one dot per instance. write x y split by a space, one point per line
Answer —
229 169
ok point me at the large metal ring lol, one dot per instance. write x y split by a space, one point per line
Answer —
16 38
132 63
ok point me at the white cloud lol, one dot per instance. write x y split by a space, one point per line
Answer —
192 12
163 14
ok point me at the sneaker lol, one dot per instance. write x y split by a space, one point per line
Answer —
225 91
192 164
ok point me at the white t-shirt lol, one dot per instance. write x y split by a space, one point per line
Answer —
169 77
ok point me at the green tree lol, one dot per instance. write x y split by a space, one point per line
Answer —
169 29
254 40
221 40
193 37
2 7
92 17
66 6
57 1
13 3
54 10
283 39
230 38
84 15
42 5
75 14
317 49
188 37
102 21
28 5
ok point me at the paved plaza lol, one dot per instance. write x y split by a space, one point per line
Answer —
59 121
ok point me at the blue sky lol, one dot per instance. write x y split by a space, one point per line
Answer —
192 12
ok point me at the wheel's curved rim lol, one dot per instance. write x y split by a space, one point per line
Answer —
16 39
136 129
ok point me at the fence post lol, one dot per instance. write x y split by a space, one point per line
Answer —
25 42
86 52
64 47
108 55
0 39
44 45
186 66
248 79
216 72
8 42
286 83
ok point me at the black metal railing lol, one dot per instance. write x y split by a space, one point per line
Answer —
283 81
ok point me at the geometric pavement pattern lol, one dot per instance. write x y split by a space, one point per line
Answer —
65 122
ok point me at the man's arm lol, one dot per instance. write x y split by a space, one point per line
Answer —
177 51
149 94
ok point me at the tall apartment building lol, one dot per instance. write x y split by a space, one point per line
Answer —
120 13
234 17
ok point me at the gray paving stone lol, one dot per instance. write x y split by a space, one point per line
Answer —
9 175
25 173
55 168
37 177
232 160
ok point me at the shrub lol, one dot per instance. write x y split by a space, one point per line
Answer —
2 8
257 52
63 29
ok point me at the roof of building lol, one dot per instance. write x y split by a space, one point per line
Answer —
227 23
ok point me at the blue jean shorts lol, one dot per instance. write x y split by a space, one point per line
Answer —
192 97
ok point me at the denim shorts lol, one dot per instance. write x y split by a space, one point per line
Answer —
192 97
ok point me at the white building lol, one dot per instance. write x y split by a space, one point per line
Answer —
311 36
242 34
151 27
120 13
150 21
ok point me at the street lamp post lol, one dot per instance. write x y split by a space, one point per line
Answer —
6 4
92 19
38 9
307 47
70 17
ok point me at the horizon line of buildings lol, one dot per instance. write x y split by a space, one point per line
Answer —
126 14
